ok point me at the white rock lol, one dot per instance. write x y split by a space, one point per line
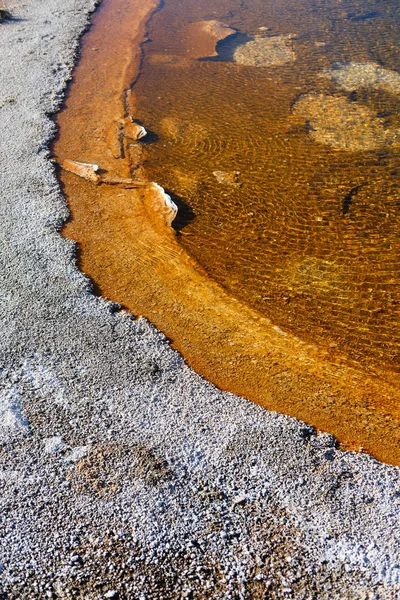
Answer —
77 453
54 444
240 499
170 208
12 421
134 130
85 170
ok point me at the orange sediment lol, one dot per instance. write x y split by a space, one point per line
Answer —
135 258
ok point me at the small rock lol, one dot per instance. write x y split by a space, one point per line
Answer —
77 453
240 499
161 203
133 130
4 15
228 178
52 445
75 558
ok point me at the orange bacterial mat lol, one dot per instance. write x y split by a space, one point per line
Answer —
276 131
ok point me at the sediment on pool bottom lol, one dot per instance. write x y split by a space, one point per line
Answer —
129 249
308 235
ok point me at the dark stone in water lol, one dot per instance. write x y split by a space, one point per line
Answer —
348 199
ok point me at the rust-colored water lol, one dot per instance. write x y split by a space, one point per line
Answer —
307 242
282 241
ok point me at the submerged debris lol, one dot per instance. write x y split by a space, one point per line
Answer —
265 52
123 182
90 172
348 199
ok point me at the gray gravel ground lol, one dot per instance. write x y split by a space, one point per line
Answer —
123 473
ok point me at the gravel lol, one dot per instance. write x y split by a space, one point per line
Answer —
124 474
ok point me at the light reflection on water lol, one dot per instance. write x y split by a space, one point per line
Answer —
291 171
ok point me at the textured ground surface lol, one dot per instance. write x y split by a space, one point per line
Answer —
123 474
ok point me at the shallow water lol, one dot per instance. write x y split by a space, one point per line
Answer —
310 234
269 203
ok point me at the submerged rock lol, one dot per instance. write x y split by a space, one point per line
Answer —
201 37
265 52
352 76
228 178
336 122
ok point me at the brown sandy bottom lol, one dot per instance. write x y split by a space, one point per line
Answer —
130 251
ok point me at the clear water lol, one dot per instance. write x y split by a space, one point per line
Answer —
298 226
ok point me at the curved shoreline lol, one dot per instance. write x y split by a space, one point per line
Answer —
138 262
122 471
